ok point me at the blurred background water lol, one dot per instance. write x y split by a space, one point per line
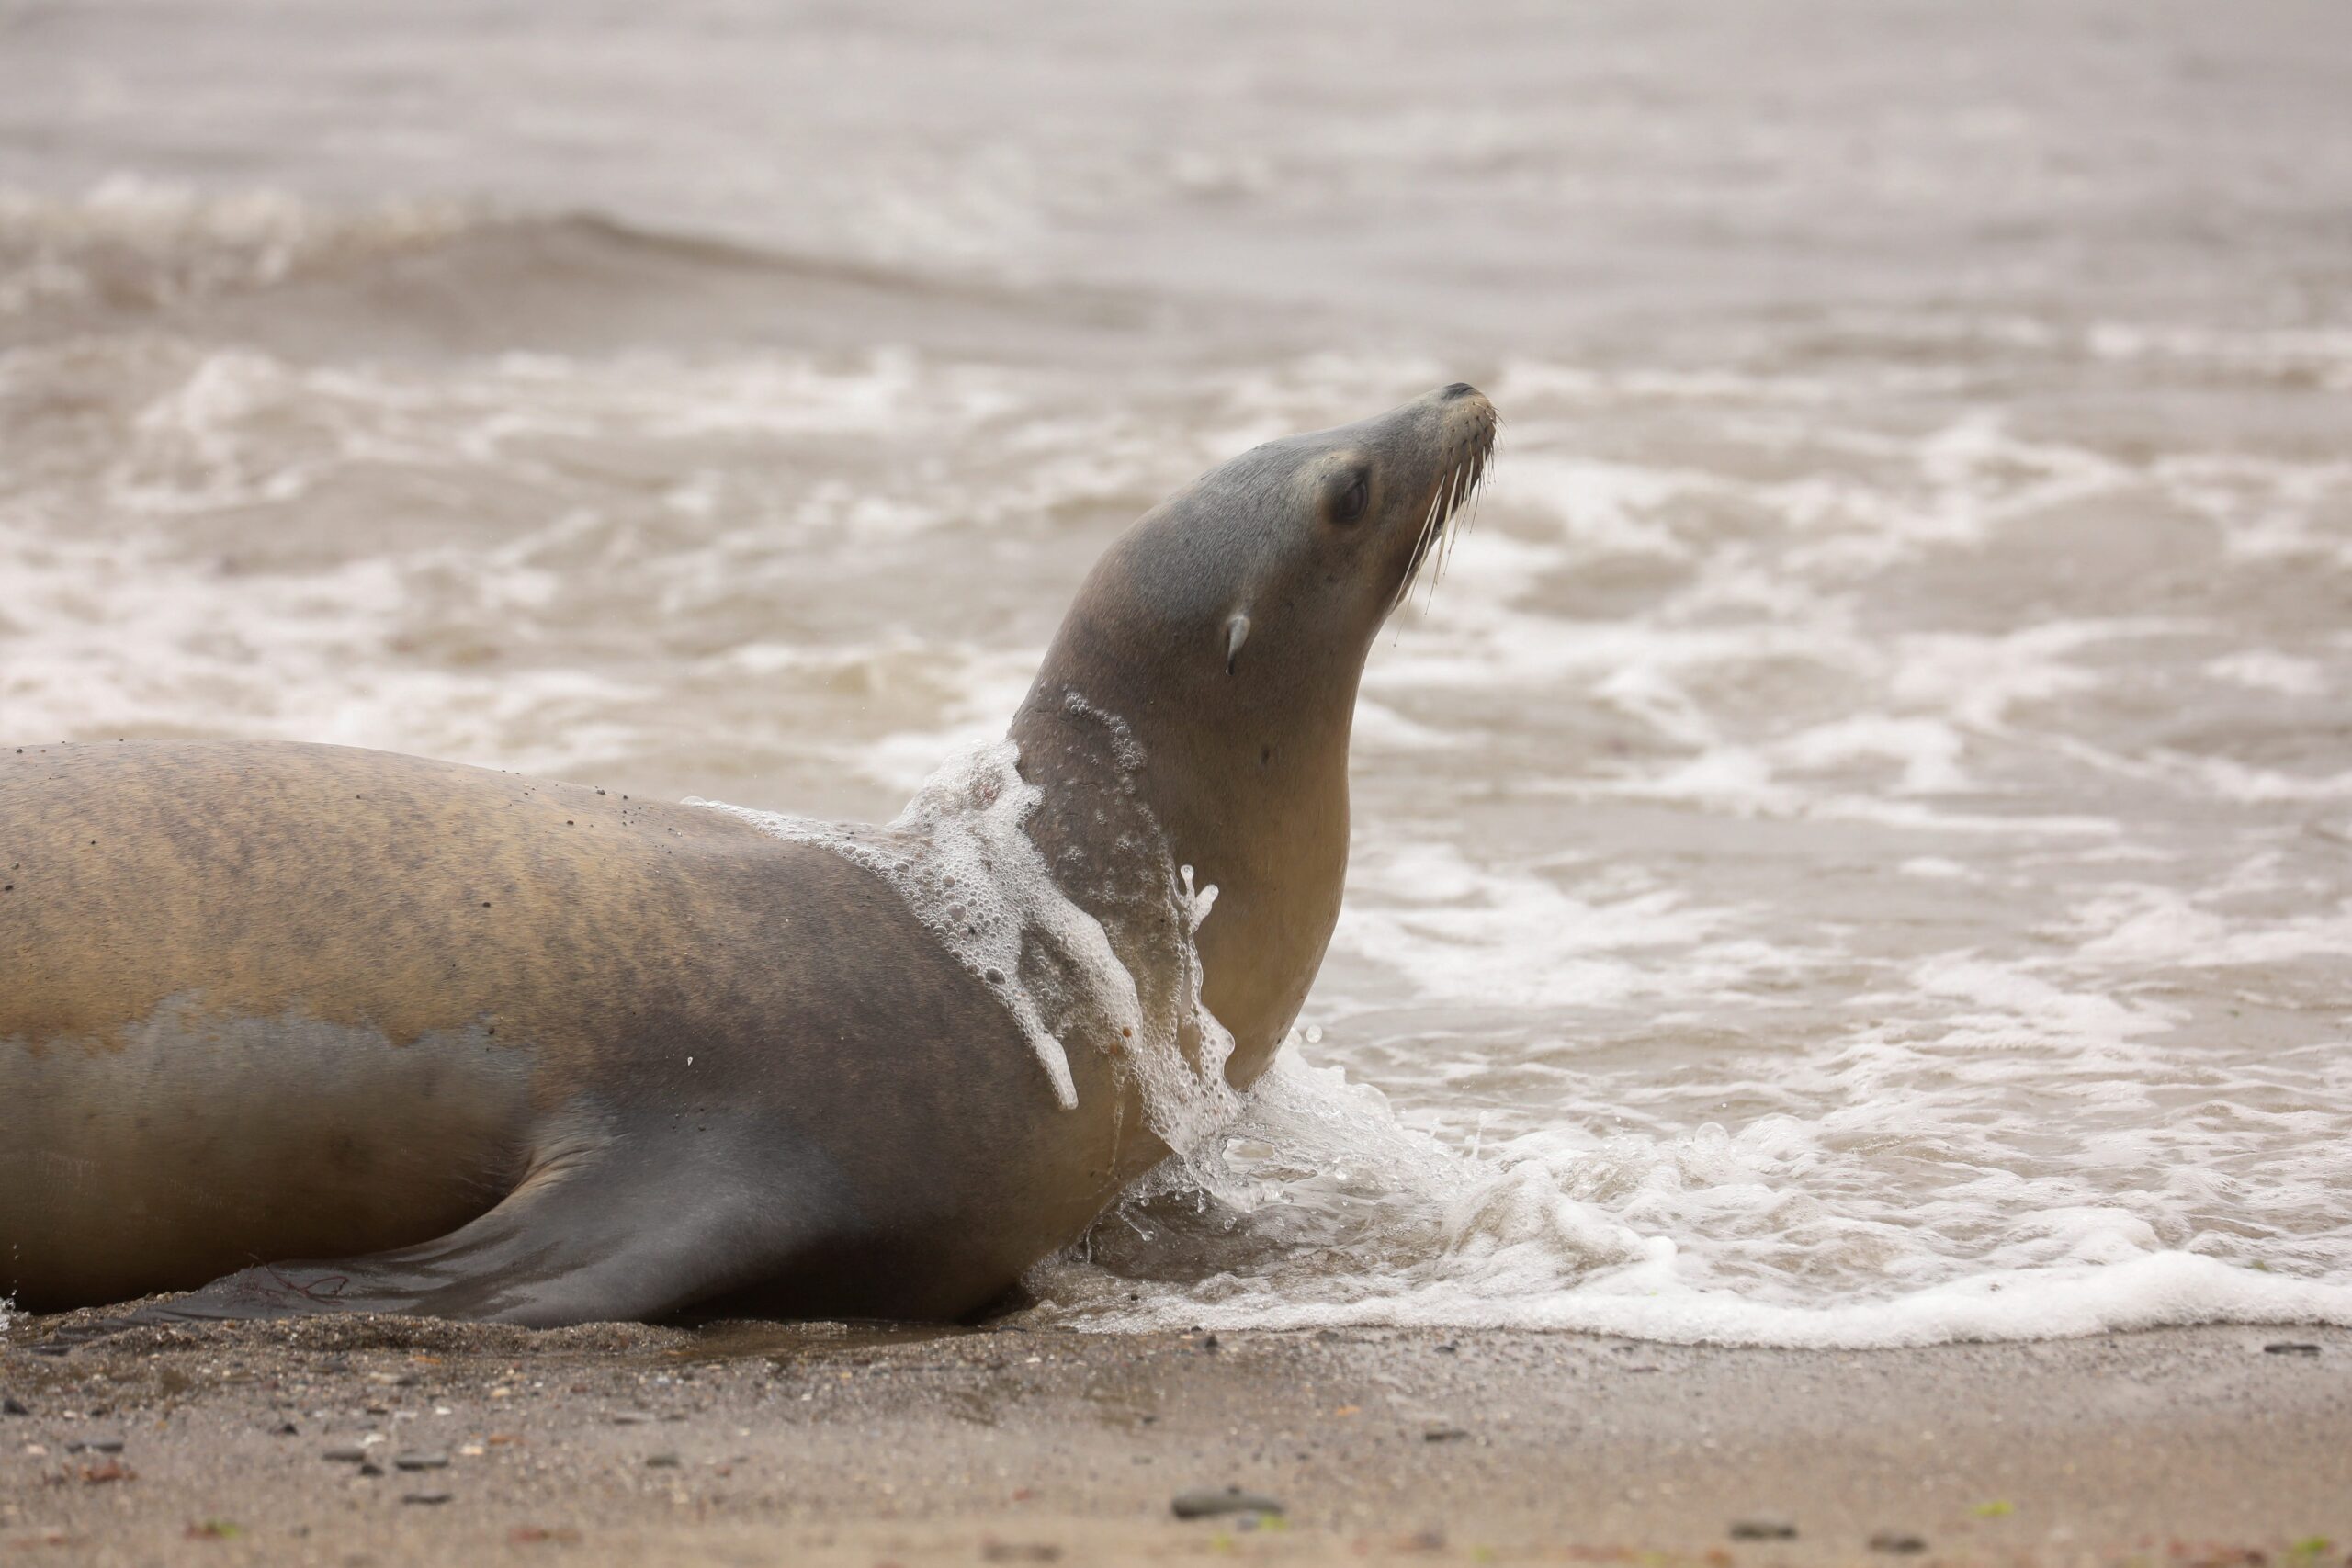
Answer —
1859 848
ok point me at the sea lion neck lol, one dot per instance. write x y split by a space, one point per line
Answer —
1140 757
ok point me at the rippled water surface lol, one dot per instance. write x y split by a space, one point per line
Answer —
1857 849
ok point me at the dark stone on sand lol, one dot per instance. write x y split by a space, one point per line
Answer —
10 1406
422 1461
369 1467
633 1418
1204 1501
1762 1529
287 1429
345 1456
2290 1348
1442 1432
661 1461
1901 1542
425 1497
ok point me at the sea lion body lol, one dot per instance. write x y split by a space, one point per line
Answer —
276 1001
364 1032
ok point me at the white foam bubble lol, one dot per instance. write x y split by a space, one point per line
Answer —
2232 780
167 242
1462 931
1643 1300
1927 748
1560 1231
2139 927
2267 670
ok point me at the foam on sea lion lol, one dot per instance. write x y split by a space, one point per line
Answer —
960 856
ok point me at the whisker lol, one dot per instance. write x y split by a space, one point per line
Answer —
1481 464
1431 527
1462 490
1437 545
1437 532
1413 563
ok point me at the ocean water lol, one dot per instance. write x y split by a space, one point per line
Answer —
1857 851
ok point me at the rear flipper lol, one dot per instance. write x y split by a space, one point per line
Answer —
602 1240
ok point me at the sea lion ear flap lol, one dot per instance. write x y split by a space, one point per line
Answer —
1236 632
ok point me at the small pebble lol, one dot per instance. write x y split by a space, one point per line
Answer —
421 1462
661 1461
8 1405
1763 1530
287 1429
633 1418
1898 1542
2290 1348
427 1497
105 1445
1440 1432
1207 1502
345 1456
369 1467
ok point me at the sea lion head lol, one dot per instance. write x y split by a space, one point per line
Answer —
1267 579
1207 673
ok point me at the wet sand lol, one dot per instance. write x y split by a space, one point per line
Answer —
764 1443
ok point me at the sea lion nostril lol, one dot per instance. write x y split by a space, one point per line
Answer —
1459 390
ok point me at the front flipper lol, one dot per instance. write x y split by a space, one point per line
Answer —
603 1240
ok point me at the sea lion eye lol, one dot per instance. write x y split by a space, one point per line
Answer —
1349 492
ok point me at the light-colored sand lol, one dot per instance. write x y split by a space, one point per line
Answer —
759 1444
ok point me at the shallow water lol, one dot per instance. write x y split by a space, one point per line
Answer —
1857 849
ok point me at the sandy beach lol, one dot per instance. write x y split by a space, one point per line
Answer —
749 1443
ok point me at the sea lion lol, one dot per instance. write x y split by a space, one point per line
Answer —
500 1049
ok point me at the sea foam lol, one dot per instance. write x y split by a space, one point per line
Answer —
1321 1209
